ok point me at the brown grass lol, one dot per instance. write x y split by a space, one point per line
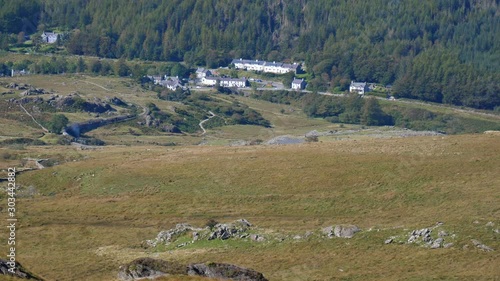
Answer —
93 214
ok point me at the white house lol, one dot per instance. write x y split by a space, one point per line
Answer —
49 37
157 79
253 65
264 66
209 81
358 87
225 82
234 82
171 83
298 84
202 72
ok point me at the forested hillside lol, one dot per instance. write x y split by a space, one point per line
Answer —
436 50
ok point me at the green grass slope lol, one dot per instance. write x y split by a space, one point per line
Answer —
89 216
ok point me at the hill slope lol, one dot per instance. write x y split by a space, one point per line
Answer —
443 51
102 207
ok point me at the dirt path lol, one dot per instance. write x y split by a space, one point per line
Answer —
43 128
203 121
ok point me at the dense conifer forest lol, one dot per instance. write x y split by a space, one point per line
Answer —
435 50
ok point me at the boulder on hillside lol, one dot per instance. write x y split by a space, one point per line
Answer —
19 271
345 231
225 272
342 231
150 268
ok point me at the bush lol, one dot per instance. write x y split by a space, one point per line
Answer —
57 123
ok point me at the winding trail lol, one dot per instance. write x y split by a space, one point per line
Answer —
43 128
203 121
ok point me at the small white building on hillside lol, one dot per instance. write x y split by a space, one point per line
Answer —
225 82
202 72
358 87
49 37
298 84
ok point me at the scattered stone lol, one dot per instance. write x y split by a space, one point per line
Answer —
244 222
437 243
257 238
149 268
427 238
490 224
481 246
442 233
328 231
196 236
19 272
388 241
447 245
182 245
165 237
297 237
224 272
412 238
346 231
308 234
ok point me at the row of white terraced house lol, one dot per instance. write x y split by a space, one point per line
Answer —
225 81
265 66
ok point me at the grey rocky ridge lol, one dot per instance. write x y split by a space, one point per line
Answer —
149 268
20 271
342 231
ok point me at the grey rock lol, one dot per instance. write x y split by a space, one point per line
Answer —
412 238
297 237
244 222
490 224
224 272
439 240
345 231
212 236
388 241
427 238
149 268
447 245
328 231
481 246
442 233
196 236
437 243
308 234
19 272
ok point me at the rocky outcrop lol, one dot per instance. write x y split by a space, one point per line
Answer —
481 246
430 237
342 231
226 231
77 129
170 235
223 231
225 272
19 271
150 268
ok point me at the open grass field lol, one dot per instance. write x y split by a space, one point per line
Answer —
91 213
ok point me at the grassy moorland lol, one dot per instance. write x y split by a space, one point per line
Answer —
85 217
